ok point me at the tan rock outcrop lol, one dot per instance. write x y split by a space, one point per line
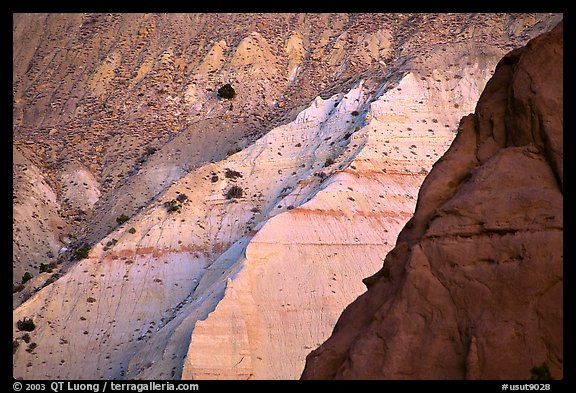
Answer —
474 286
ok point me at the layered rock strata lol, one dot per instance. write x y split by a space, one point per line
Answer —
298 270
180 193
473 288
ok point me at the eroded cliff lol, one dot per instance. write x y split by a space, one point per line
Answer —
235 226
473 288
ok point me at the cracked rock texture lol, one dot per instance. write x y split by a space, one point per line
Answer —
473 288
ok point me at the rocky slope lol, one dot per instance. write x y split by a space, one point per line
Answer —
479 267
336 122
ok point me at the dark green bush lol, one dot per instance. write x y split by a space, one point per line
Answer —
234 192
83 251
26 324
181 198
121 219
26 277
227 91
329 161
132 230
110 244
172 206
31 347
230 174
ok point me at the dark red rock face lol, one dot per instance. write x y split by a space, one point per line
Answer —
473 288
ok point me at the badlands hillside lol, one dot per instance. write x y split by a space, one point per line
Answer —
163 232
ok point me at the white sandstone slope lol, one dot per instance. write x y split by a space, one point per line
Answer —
305 265
325 197
109 305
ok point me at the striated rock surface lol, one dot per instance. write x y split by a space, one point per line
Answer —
298 272
192 205
473 288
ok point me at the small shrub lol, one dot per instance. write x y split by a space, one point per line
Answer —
172 206
91 300
121 219
82 252
541 373
26 338
132 230
43 267
355 113
31 347
181 198
234 192
111 243
329 161
230 174
214 178
150 150
17 287
227 91
26 324
26 277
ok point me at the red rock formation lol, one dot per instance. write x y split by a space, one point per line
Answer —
473 288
